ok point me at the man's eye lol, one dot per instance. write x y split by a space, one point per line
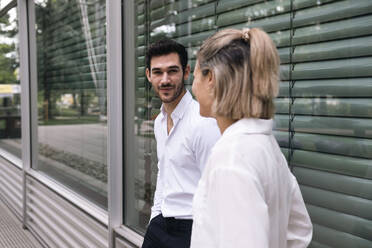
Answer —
173 71
157 72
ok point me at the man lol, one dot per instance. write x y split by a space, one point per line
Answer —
184 140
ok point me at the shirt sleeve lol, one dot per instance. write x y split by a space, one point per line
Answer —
158 198
238 211
300 229
207 134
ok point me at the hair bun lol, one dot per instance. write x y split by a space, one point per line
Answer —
245 34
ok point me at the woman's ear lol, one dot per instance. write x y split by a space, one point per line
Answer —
210 79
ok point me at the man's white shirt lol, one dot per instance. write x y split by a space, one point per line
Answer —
182 155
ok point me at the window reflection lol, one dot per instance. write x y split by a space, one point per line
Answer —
188 22
72 113
10 89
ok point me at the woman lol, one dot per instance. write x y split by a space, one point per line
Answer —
247 197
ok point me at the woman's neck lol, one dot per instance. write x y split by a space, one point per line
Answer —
223 123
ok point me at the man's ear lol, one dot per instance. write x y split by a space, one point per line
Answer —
186 73
148 74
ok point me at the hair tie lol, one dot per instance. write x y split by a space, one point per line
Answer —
245 34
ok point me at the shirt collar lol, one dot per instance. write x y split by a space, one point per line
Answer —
250 126
180 108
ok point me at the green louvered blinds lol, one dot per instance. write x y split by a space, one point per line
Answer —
324 109
332 119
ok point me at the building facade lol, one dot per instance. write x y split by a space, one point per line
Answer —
77 149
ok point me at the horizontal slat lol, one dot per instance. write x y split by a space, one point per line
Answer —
227 5
284 54
11 195
154 4
170 14
284 72
355 87
43 229
283 89
299 4
356 167
62 229
333 238
197 26
346 146
250 13
281 122
275 23
196 12
282 105
334 30
348 185
332 11
178 5
353 127
333 49
337 202
341 222
86 228
285 152
195 40
281 38
345 68
282 137
315 244
333 107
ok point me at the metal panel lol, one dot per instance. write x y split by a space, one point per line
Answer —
60 223
119 243
11 186
115 112
129 235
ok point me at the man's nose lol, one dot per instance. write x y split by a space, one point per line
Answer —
165 78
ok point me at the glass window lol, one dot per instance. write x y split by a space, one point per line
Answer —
72 103
323 112
189 22
331 118
10 89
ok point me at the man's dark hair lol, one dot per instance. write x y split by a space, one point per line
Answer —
165 47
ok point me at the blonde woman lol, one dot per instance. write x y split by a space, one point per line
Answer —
247 196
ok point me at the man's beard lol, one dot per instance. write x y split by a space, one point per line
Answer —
177 93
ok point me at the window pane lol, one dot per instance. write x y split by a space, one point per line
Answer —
10 89
72 113
331 119
189 22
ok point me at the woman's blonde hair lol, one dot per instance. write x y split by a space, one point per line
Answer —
245 66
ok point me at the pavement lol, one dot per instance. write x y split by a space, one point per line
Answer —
12 235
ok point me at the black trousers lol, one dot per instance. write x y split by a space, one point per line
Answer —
168 233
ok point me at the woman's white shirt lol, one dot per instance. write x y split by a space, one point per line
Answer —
247 196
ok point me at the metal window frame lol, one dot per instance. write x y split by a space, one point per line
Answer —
25 98
114 110
121 71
